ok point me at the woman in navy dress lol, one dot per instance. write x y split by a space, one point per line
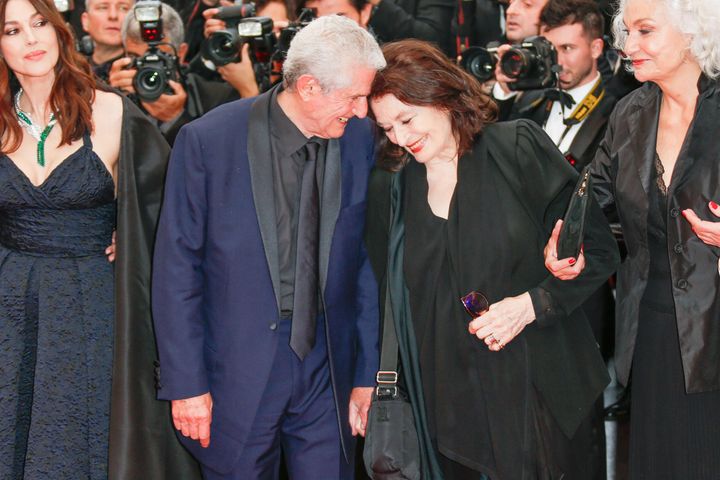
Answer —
66 182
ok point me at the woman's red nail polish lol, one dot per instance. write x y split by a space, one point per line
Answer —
571 261
713 205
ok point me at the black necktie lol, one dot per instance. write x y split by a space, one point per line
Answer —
305 297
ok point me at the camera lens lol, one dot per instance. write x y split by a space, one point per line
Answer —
478 62
515 63
150 83
223 47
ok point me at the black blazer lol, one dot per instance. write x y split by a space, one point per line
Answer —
498 248
623 171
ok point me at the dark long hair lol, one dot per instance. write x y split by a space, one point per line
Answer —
72 93
419 74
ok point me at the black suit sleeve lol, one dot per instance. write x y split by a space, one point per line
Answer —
422 19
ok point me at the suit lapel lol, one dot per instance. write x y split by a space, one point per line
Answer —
330 202
261 176
585 138
645 119
694 147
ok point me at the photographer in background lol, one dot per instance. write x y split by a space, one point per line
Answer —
574 118
102 20
522 19
240 74
189 97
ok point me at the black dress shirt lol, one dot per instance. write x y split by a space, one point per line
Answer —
288 159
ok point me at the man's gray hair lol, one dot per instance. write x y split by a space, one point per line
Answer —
698 19
329 49
172 26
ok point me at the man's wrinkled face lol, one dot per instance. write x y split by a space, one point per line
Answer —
328 112
103 20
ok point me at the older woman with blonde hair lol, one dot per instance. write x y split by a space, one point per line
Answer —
658 167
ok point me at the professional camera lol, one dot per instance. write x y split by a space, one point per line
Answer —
155 68
287 34
533 63
223 47
479 62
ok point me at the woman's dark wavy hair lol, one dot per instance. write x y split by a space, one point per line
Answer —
72 93
419 74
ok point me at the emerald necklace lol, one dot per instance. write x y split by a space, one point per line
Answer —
36 131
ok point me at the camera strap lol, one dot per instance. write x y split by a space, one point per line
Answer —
584 108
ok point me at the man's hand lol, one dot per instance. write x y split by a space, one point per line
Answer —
212 24
240 74
120 77
502 79
708 232
168 107
192 416
359 405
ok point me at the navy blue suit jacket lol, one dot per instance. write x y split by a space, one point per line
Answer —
215 279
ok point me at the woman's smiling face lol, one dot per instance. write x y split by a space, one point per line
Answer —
425 132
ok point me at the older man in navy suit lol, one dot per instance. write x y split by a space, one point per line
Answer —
263 298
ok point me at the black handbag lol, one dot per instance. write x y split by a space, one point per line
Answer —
571 235
391 448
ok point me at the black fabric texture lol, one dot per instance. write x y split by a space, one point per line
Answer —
142 439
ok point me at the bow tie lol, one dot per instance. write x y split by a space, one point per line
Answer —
557 95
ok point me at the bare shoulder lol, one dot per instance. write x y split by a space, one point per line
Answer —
107 113
107 110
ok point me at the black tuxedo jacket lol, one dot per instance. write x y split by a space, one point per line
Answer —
588 137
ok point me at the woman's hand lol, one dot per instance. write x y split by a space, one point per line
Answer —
708 232
503 321
564 268
110 251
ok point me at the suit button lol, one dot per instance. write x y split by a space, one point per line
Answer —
675 212
273 326
682 283
678 248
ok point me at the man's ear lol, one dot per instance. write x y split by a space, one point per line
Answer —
84 21
365 14
307 87
596 48
181 52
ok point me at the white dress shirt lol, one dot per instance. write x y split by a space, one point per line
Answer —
554 125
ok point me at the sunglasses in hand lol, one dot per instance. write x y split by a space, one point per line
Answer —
475 303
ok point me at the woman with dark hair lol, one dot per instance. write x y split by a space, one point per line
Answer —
658 169
75 333
466 205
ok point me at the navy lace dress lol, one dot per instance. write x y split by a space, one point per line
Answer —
56 320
